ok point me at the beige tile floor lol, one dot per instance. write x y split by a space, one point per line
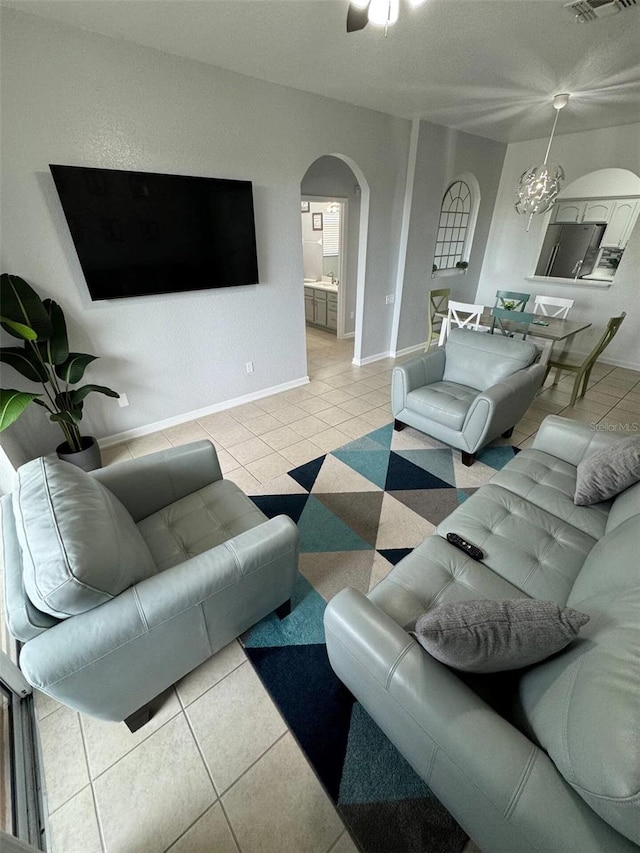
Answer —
216 769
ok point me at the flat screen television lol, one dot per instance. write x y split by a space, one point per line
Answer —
140 233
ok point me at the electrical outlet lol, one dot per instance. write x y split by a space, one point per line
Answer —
249 366
389 299
123 401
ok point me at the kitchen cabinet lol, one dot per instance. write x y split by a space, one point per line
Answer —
619 214
598 210
621 223
568 211
321 307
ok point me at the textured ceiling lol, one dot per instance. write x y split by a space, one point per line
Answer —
490 67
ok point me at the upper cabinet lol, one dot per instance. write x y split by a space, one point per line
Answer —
598 210
620 225
619 214
568 211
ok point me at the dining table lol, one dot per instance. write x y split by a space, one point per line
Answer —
548 330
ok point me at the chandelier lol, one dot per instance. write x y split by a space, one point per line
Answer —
539 185
381 13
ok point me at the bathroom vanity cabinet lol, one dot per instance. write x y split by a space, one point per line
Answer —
321 305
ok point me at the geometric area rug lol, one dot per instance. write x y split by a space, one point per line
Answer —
359 510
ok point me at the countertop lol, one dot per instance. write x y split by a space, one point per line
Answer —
322 285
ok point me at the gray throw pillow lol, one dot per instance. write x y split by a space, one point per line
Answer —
608 472
493 636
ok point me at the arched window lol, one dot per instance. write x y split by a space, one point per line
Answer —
458 214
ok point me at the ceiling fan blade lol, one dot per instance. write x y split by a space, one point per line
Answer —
357 17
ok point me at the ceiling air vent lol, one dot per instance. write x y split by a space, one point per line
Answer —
591 10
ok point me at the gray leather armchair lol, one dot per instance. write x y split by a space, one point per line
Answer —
120 582
468 392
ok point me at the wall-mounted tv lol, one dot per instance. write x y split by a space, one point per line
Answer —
140 233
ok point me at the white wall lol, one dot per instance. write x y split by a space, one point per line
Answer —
512 252
70 96
443 154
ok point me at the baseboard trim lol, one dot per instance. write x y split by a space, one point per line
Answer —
138 432
408 350
360 362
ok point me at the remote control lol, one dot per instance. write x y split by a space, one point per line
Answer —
472 550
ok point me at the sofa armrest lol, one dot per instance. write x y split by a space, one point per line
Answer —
420 371
501 406
149 483
111 660
571 440
487 773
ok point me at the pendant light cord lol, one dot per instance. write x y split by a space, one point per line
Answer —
553 130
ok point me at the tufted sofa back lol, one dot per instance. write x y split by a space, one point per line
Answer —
479 360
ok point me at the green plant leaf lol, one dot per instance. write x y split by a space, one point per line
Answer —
23 360
79 394
19 330
21 305
73 368
72 416
58 344
12 405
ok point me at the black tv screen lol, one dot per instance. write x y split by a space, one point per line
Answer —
138 233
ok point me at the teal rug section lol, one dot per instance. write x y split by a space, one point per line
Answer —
372 464
321 530
437 462
303 626
385 776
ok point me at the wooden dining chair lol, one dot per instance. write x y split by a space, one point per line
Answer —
511 301
465 316
510 323
582 369
438 305
552 306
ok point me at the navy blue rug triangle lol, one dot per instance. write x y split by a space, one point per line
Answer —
272 505
403 475
394 555
415 825
313 701
306 474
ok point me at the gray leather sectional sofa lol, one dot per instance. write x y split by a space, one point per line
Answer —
546 758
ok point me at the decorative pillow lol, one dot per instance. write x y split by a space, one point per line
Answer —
80 547
608 472
493 636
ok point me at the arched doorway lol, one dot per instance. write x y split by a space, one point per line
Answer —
336 179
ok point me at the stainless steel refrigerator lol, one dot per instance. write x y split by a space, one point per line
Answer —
570 250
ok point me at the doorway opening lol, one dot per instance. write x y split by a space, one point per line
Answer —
324 241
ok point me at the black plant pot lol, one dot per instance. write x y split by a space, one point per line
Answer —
88 458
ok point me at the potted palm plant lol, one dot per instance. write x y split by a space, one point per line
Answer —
44 357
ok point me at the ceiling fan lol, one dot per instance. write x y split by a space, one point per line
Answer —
382 13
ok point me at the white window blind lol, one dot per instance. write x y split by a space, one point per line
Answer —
330 233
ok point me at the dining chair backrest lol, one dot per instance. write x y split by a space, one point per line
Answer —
511 300
461 314
582 369
509 323
553 306
438 306
608 335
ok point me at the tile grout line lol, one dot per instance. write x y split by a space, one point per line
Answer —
94 795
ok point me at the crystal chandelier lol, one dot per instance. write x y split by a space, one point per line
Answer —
539 185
